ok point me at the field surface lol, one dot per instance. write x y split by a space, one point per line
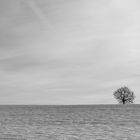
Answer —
83 122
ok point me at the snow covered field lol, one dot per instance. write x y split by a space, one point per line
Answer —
83 122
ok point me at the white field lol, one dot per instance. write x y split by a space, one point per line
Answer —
95 122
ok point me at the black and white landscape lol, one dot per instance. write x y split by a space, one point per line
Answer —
62 62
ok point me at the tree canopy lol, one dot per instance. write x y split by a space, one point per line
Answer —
124 95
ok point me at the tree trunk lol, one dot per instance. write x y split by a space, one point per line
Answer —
123 102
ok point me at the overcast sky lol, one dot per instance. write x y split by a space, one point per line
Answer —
68 51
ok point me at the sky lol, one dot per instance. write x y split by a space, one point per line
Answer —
68 51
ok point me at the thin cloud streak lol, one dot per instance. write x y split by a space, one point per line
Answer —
40 14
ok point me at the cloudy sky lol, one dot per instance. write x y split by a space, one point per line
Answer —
68 51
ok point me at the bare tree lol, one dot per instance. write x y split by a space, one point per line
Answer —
124 95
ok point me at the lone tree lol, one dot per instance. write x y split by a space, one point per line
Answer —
124 95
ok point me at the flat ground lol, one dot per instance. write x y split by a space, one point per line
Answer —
91 122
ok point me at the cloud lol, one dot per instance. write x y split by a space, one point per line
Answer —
39 13
68 52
